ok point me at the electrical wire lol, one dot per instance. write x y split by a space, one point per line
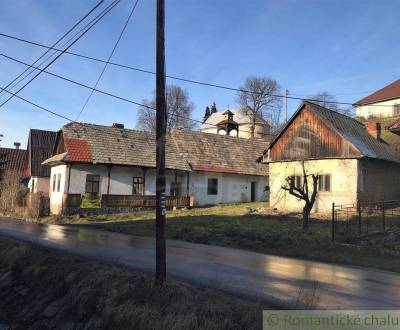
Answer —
62 37
108 60
175 77
95 21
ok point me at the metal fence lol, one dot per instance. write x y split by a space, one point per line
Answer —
365 221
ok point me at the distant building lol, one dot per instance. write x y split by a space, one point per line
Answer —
12 159
382 103
235 123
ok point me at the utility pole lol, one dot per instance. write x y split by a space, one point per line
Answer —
161 116
286 96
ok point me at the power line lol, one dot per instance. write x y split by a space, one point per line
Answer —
95 21
111 94
62 37
170 76
109 59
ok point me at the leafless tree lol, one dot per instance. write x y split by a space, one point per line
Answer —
10 188
329 101
304 192
179 111
258 98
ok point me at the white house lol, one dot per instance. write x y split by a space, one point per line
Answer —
383 103
119 165
236 122
352 161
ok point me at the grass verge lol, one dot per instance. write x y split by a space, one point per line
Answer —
40 289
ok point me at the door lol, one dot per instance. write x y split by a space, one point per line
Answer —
253 191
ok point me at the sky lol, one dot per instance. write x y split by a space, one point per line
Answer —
349 48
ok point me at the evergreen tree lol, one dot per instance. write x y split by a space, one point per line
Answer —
206 114
213 108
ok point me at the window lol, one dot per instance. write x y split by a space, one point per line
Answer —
396 109
297 179
324 182
138 186
212 187
58 182
54 182
92 184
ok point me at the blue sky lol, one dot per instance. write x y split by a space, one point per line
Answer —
348 48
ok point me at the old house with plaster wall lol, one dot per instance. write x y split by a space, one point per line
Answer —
351 159
119 165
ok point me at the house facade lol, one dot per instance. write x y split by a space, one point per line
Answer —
40 147
119 164
382 103
235 122
351 160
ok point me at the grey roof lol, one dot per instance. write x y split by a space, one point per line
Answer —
239 117
352 131
40 147
185 150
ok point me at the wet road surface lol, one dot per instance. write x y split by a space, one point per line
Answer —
282 282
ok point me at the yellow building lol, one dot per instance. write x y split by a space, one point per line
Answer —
351 160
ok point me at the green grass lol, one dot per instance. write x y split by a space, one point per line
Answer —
233 226
46 290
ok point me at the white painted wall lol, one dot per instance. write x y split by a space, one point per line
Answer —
56 196
344 182
232 188
244 130
379 109
39 184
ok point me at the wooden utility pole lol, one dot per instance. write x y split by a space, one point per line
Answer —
161 116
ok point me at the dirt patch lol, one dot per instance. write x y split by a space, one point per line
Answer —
40 289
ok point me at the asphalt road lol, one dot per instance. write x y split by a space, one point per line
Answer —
283 282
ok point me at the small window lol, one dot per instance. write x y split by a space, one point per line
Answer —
396 109
324 182
297 179
54 182
92 184
212 187
138 186
59 182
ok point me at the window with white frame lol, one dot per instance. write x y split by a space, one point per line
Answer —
54 182
58 182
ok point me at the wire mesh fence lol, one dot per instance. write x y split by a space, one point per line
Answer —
367 223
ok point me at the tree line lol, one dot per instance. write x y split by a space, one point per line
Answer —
258 98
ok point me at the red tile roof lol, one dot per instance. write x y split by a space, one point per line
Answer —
78 150
388 92
12 159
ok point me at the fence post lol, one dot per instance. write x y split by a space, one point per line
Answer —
333 222
383 215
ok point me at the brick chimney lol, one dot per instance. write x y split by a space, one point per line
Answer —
373 128
17 145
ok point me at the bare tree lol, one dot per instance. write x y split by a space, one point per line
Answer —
179 111
10 188
304 192
329 101
2 160
258 98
